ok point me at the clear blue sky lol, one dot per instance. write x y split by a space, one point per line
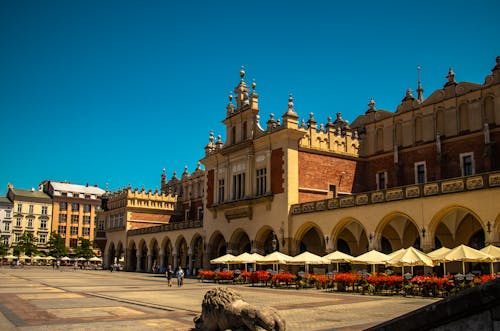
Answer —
114 91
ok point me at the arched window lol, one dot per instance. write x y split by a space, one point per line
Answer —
233 135
463 117
418 129
440 124
399 134
489 110
244 131
379 139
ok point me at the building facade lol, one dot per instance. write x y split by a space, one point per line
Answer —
32 213
74 210
426 175
5 221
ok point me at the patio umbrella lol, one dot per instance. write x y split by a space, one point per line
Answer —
372 257
65 258
338 257
410 257
467 254
224 259
49 258
306 259
493 251
10 257
438 256
95 259
243 258
274 258
81 259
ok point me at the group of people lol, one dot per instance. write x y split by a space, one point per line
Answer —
179 274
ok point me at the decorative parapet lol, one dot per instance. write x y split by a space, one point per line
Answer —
167 227
446 186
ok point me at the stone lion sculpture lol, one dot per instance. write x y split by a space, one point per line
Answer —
223 309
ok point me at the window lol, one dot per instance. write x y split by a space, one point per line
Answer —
86 219
43 224
261 181
6 227
42 238
45 210
63 218
381 180
74 219
75 207
87 196
74 230
19 207
420 173
244 131
221 191
73 243
76 195
30 222
64 194
61 230
100 225
19 221
86 208
85 231
63 206
17 235
233 135
30 209
467 164
7 214
238 186
200 213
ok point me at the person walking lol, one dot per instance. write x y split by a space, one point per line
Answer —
180 276
169 273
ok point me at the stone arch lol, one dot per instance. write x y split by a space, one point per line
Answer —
263 243
153 256
217 245
196 250
120 253
181 250
310 237
111 254
455 225
397 230
350 236
167 249
142 258
131 258
239 242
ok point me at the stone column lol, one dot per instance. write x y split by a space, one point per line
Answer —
149 265
190 263
138 264
162 260
175 263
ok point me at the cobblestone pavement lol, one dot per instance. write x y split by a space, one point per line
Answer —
46 299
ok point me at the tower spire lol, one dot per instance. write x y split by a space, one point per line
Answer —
420 89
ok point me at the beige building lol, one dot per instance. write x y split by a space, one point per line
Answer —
32 212
426 175
74 210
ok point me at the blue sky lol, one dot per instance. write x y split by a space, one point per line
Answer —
114 91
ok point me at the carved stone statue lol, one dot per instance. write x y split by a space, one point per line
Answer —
223 309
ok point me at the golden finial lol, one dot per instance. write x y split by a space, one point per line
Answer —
253 84
242 72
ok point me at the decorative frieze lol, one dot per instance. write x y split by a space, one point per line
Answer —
431 189
474 183
392 195
333 203
412 192
452 186
347 201
361 199
494 180
377 197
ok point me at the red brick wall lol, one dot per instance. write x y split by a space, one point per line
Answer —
449 166
317 171
210 188
277 180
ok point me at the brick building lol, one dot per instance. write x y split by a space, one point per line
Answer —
426 175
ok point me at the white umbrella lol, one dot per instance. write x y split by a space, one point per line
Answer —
410 257
65 258
224 259
81 259
338 257
95 259
467 254
372 257
306 259
493 251
438 256
274 258
50 258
